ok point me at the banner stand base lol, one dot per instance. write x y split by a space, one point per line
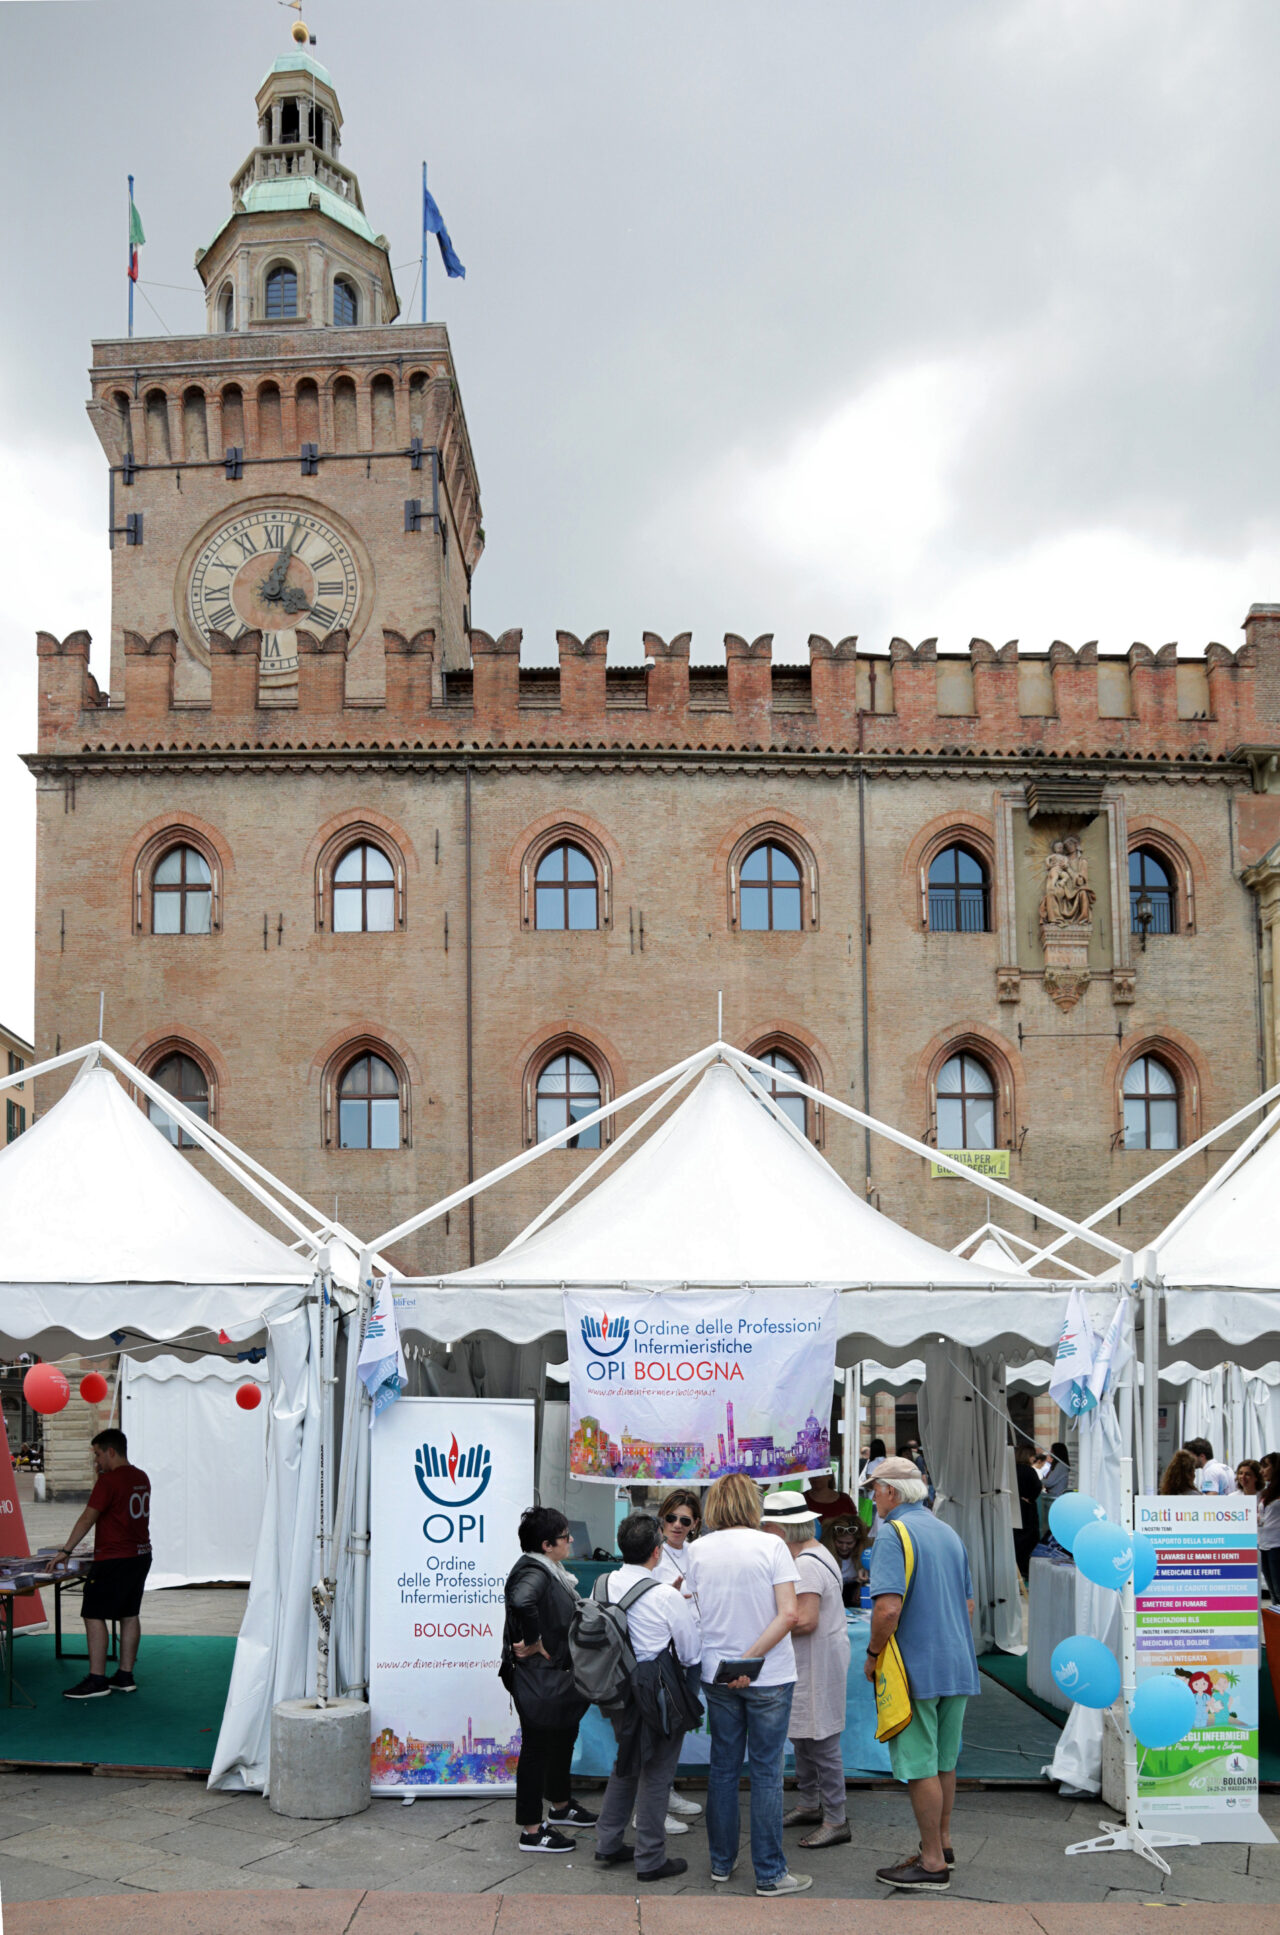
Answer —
1123 1839
1247 1827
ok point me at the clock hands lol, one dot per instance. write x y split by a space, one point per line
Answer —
272 589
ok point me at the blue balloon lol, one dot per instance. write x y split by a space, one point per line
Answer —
1104 1553
1085 1670
1144 1563
1068 1513
1163 1710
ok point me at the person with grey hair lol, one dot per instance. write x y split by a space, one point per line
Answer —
820 1639
922 1595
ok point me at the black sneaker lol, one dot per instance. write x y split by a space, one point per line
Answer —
545 1840
123 1682
619 1856
94 1686
572 1816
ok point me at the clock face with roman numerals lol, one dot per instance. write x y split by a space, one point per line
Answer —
277 571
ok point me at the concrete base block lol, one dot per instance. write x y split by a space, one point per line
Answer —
1113 1763
319 1759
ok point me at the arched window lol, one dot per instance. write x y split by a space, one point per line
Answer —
959 893
1151 894
793 1105
369 1105
364 892
182 893
568 1088
228 313
184 1078
565 890
966 1104
282 293
1150 1104
769 890
346 306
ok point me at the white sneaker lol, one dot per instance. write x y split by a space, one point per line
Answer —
670 1825
678 1804
788 1884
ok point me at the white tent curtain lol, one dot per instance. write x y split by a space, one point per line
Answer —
276 1653
1077 1763
1204 1409
964 1424
207 1461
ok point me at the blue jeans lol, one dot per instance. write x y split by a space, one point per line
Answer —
750 1722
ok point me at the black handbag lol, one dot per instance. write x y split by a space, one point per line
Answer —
544 1694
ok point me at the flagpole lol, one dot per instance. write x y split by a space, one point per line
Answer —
129 264
424 241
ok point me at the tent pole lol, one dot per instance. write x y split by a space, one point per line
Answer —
702 1059
350 1408
607 1154
1150 1375
987 1183
1167 1169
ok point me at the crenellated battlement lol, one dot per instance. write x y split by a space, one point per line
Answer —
991 700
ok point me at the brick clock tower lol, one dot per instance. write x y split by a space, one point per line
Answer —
298 481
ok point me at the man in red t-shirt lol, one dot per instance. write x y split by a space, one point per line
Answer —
119 1510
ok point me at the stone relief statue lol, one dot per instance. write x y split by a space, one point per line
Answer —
1068 898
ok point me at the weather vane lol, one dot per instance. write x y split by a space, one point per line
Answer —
300 31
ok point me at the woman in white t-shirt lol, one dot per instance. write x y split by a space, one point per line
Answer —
744 1581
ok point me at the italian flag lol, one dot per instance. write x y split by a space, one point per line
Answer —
136 238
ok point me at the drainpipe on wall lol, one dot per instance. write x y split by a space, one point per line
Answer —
862 914
471 1096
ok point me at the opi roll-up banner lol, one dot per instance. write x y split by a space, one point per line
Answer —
687 1385
450 1478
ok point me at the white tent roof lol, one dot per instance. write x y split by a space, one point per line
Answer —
104 1226
721 1194
1221 1265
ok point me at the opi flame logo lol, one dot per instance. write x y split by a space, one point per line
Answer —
604 1335
453 1461
439 1473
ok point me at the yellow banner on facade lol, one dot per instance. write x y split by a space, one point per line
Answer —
987 1162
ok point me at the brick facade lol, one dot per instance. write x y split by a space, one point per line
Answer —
428 737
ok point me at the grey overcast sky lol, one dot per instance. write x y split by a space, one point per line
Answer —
940 318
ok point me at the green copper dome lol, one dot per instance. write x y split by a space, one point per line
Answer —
296 191
302 63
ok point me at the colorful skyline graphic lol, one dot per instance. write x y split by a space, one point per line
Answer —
594 1454
474 1760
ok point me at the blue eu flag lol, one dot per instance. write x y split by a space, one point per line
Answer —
433 224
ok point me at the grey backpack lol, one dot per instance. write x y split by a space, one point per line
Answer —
601 1656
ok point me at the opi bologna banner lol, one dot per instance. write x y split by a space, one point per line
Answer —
450 1478
690 1384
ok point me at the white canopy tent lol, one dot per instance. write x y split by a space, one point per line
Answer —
726 1192
110 1239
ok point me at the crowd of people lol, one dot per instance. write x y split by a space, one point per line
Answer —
1194 1469
734 1606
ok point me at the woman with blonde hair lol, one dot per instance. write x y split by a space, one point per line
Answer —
744 1581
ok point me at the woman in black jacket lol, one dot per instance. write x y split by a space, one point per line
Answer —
541 1596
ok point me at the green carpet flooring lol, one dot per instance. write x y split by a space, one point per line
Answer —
1010 1670
171 1721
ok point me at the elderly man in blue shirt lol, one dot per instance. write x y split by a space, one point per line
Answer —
929 1615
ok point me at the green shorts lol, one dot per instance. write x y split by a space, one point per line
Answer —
931 1743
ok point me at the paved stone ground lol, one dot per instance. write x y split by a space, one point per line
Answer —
76 1836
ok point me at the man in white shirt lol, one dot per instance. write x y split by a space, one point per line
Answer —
1214 1475
655 1620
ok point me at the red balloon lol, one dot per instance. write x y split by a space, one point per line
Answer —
248 1396
93 1387
46 1389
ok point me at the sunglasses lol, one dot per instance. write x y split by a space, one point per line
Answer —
674 1518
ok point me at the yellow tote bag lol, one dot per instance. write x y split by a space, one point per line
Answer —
893 1695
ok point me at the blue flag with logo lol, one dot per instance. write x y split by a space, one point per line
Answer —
433 224
381 1364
